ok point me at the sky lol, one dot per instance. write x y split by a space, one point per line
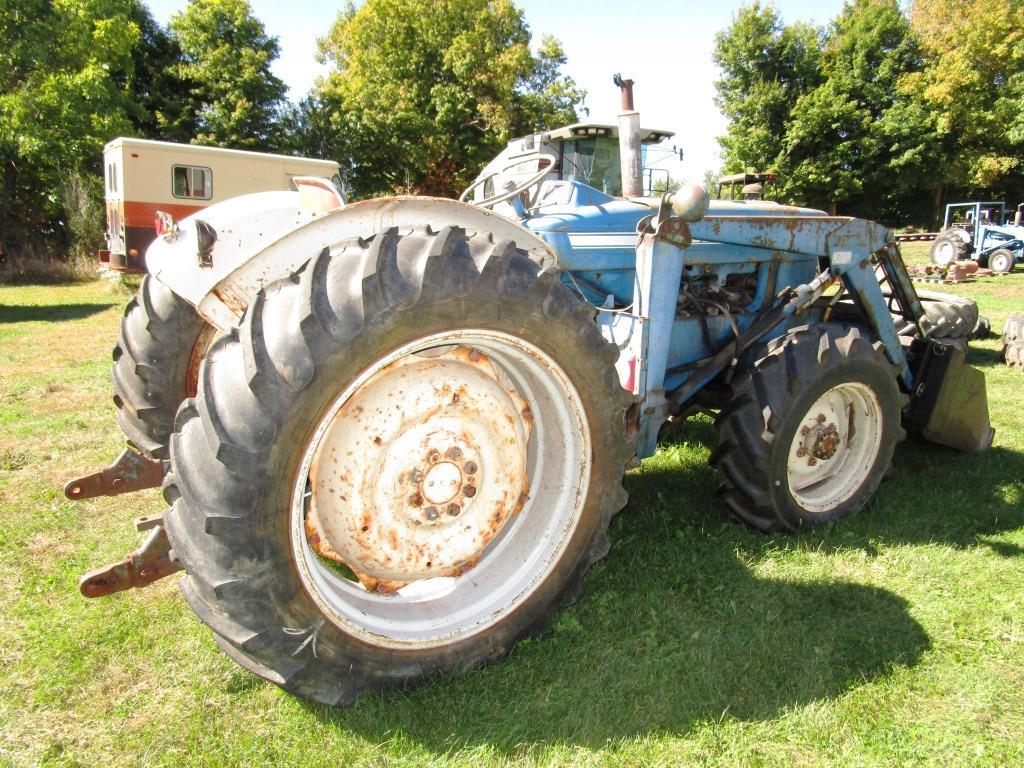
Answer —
665 47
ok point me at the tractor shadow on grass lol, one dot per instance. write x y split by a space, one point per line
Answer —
676 630
27 313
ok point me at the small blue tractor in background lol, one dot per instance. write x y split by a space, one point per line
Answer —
983 232
393 433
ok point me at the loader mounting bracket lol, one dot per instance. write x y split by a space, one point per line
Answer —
151 561
131 471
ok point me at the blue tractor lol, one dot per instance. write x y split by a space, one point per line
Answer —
983 232
392 433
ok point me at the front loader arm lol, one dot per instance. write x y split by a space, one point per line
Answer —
849 244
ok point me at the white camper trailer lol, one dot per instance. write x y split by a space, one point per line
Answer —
142 177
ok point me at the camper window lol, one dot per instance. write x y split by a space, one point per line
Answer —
191 181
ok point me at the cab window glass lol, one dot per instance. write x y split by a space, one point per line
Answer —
593 161
192 181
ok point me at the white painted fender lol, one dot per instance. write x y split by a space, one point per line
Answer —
266 236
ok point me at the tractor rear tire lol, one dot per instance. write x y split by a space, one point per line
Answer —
950 246
1000 261
156 363
257 457
810 430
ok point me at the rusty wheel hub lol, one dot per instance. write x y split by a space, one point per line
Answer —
835 447
420 470
449 477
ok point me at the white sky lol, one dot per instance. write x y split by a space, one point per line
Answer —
664 46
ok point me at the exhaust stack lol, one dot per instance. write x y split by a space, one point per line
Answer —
629 141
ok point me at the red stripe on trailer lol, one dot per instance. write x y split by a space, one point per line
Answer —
138 214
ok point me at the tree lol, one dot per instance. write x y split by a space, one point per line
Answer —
424 92
858 141
766 67
157 108
235 99
59 104
974 85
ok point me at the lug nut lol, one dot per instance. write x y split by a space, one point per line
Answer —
454 453
416 500
433 457
469 491
470 467
454 509
431 513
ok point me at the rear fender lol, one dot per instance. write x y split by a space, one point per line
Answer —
267 236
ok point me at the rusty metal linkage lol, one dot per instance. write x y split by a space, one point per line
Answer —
131 471
151 561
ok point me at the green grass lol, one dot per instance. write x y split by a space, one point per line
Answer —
892 638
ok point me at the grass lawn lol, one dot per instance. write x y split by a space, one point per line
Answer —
895 637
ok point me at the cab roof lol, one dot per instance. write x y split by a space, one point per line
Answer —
580 130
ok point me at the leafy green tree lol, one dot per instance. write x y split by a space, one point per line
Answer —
157 108
235 99
859 142
973 83
309 129
424 92
766 67
59 103
548 99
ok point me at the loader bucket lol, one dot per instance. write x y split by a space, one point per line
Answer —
949 405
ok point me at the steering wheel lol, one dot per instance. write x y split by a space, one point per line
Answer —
545 162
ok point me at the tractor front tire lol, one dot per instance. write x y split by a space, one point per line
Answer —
1000 261
810 430
156 364
404 460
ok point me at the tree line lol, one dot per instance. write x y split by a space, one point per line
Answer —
882 113
418 95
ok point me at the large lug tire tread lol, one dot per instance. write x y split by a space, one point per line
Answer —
263 386
158 334
1013 329
955 237
1013 354
951 316
768 402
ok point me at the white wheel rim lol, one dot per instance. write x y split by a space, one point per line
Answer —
999 262
418 609
944 252
835 447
